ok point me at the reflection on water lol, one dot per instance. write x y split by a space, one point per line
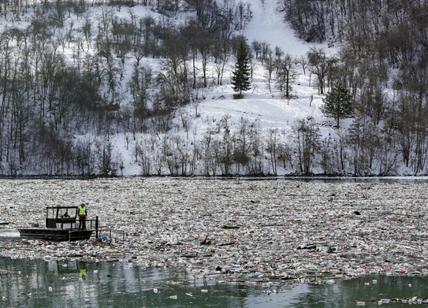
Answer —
70 284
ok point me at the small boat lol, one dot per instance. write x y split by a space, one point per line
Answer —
62 224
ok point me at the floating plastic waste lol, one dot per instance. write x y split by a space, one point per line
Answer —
295 232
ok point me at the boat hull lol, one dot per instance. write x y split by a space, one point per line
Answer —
55 234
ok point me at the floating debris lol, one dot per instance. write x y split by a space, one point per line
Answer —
230 226
307 246
305 233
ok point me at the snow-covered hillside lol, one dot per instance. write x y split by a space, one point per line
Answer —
266 108
270 109
144 87
269 112
268 25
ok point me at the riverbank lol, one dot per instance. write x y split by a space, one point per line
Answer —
238 231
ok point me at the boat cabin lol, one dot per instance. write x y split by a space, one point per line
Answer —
62 217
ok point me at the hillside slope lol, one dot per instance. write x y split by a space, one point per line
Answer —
144 88
268 25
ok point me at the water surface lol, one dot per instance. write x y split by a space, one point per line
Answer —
73 284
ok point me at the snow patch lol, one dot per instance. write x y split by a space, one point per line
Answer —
268 25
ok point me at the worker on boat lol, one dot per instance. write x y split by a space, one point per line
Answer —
65 216
83 212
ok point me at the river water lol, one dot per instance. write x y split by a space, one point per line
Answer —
72 284
167 218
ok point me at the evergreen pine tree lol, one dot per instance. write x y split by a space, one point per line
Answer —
338 103
242 72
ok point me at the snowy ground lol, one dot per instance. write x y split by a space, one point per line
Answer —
247 230
273 111
269 108
267 25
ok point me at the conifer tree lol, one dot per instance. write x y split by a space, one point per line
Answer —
338 104
242 72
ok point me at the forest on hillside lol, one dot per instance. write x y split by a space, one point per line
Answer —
384 63
74 74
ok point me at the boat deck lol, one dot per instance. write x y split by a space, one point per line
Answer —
55 234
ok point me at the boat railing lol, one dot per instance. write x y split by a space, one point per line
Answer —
71 223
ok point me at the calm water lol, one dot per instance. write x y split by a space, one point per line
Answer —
55 284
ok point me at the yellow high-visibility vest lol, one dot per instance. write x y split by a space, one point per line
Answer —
82 211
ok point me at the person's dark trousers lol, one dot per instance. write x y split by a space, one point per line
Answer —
82 222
